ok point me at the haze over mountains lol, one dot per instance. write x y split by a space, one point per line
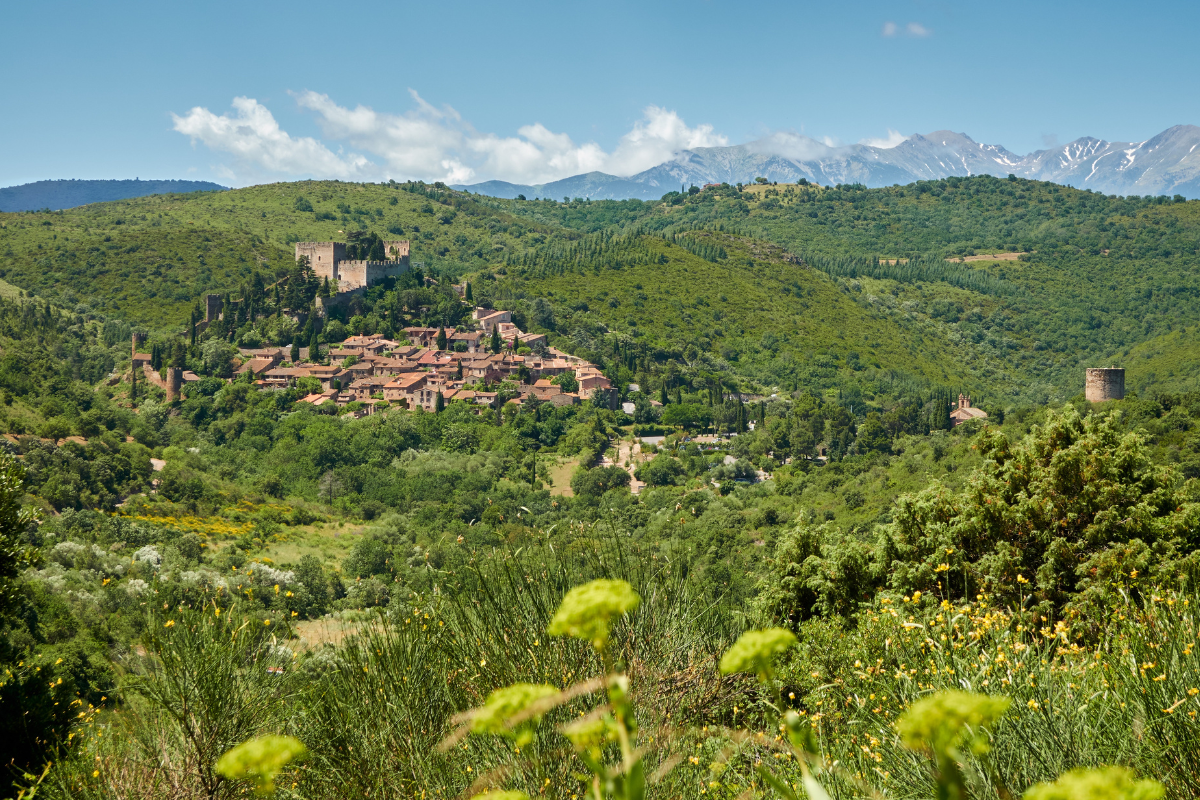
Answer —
56 195
1168 163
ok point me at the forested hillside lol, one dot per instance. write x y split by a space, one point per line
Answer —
776 458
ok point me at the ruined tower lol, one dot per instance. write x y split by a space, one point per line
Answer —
174 384
138 340
1105 383
212 308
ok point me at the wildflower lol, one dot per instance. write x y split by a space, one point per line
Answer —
937 723
590 734
1116 782
755 650
261 760
587 612
169 623
493 717
1033 704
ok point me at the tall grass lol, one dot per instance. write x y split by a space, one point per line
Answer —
372 710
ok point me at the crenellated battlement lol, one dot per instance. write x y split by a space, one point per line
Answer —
328 261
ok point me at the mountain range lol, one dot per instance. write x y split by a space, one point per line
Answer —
1168 163
56 195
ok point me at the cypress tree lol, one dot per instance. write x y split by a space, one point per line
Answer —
439 403
314 349
133 371
295 352
470 298
496 339
441 338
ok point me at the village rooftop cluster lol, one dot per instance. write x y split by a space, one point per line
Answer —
372 370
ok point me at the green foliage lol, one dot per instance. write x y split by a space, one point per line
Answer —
495 716
261 760
588 611
1110 783
755 651
1053 523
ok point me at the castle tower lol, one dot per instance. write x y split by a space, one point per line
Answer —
212 308
1105 383
174 385
138 340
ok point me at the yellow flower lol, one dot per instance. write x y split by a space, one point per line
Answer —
169 623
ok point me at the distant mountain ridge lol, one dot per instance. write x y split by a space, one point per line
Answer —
1168 163
60 194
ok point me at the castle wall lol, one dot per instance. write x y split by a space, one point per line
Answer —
1105 384
401 248
359 274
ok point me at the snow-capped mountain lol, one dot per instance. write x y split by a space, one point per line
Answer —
1168 163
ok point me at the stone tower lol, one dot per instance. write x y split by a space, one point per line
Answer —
138 340
174 383
212 307
1105 383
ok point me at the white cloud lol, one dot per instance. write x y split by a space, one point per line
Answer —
892 139
911 29
432 143
656 138
257 142
791 145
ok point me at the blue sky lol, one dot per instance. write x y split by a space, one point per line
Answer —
534 91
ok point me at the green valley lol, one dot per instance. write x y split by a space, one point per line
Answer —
740 491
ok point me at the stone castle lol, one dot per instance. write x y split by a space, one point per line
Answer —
328 260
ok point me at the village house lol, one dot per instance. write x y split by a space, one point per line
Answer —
256 366
472 339
422 337
489 319
965 411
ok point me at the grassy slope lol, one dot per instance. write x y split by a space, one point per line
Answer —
766 314
1105 274
1074 306
1170 362
163 252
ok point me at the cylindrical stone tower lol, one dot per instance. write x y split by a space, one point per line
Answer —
138 340
174 383
1105 383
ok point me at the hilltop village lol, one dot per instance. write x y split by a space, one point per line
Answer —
488 362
